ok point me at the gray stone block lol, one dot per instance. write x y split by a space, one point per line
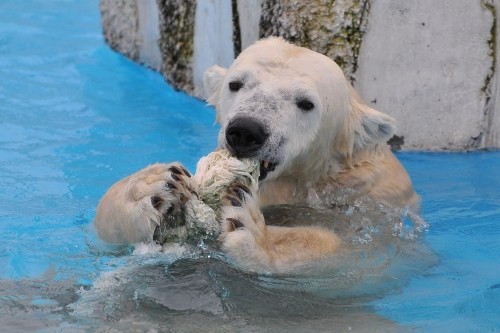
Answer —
334 28
120 22
432 65
491 137
428 64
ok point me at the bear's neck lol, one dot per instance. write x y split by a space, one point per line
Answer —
312 184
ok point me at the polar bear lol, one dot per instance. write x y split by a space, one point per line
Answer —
317 142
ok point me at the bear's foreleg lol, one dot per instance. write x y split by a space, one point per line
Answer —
133 207
257 247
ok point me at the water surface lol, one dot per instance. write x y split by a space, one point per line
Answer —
75 117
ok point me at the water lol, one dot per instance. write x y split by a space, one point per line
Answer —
75 117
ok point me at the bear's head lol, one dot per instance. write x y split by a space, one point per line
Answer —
292 109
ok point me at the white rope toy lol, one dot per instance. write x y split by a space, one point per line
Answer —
218 170
214 174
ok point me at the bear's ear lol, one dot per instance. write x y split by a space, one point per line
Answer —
371 126
378 127
212 80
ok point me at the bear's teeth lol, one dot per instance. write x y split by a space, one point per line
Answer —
265 164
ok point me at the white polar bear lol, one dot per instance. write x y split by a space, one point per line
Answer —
292 109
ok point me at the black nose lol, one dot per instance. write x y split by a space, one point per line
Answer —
245 136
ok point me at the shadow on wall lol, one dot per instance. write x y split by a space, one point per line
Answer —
415 61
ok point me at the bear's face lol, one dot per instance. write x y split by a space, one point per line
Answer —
284 105
267 112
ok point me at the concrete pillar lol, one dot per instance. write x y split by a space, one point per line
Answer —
213 39
149 32
491 137
428 64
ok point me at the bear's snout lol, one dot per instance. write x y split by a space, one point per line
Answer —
245 136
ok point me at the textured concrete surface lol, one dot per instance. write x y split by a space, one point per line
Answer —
213 39
149 31
249 13
120 24
421 64
177 42
334 28
432 65
132 28
492 91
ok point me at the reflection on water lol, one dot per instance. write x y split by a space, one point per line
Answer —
207 292
188 286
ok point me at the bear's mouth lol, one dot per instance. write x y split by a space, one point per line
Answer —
265 168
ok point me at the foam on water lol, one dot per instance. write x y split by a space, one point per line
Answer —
199 284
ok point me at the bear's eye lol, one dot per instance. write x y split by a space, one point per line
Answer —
305 104
235 85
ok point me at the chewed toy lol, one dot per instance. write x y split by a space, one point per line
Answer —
200 216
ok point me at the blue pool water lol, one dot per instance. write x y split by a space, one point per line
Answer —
75 117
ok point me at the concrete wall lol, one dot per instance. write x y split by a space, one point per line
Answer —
429 70
430 64
213 33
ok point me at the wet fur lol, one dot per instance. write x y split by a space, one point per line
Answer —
339 144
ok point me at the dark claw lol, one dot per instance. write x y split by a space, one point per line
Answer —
176 177
183 198
186 172
170 210
171 186
238 193
172 218
175 170
234 202
235 224
156 201
242 188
